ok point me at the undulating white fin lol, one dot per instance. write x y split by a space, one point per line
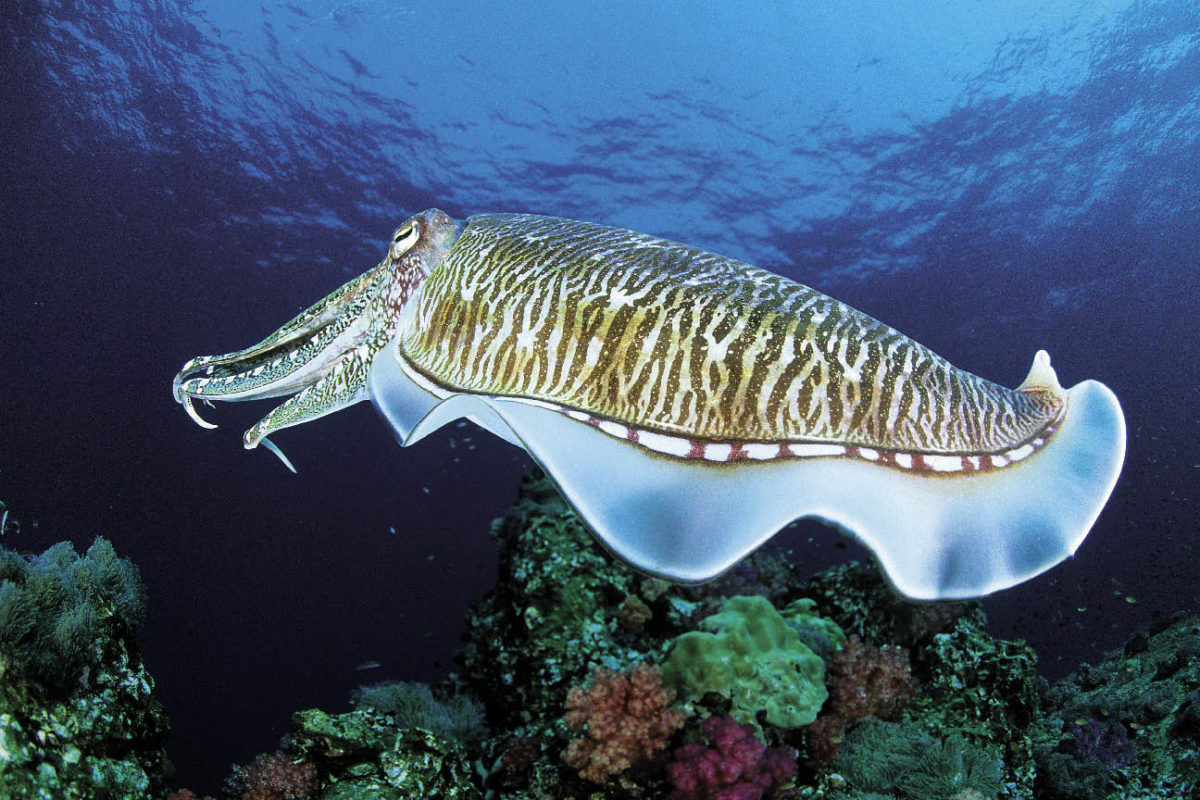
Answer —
415 411
936 536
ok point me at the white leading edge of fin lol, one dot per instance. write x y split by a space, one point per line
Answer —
936 537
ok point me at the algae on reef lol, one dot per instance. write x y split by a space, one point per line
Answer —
966 717
77 719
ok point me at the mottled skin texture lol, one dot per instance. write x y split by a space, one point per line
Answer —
671 338
625 327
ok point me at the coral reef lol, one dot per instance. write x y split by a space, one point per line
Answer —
626 719
77 719
553 615
771 686
274 776
748 653
903 761
985 689
863 681
369 754
412 705
822 635
54 607
736 765
1126 727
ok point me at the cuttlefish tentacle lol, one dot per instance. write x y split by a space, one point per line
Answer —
322 355
344 384
335 306
689 405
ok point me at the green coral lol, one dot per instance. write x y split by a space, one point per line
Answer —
984 689
983 684
77 719
364 754
54 607
420 764
823 636
904 761
413 705
553 615
1150 689
748 653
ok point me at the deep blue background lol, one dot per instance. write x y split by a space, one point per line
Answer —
179 178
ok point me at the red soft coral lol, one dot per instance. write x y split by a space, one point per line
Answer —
626 719
863 681
736 767
184 794
275 777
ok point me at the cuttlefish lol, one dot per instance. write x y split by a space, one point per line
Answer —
689 406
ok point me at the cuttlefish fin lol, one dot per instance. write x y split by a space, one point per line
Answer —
936 537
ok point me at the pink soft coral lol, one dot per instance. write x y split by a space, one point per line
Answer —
626 718
737 766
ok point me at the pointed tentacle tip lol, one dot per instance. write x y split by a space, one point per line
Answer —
184 391
255 436
185 372
267 443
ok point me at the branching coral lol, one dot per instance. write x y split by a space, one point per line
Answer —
626 720
737 766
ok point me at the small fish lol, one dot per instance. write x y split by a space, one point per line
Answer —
366 665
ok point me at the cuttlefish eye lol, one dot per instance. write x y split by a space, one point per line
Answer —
405 238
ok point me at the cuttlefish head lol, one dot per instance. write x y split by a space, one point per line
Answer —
321 357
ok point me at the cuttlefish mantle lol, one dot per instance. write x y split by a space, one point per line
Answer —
688 405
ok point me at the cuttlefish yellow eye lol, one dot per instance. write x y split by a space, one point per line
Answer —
405 238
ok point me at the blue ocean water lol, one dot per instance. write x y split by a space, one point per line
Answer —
181 177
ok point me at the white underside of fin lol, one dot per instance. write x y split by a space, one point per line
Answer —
936 537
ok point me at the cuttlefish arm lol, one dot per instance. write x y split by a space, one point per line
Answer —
322 356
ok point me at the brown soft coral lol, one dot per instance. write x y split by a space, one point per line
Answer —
276 777
866 681
863 681
633 614
626 720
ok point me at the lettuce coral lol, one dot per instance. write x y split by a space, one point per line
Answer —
748 653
